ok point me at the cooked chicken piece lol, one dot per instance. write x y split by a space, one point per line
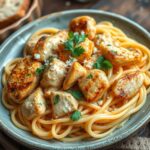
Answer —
63 103
54 74
88 46
106 38
118 55
32 42
23 79
84 24
46 46
93 85
36 36
62 53
34 105
76 71
128 85
121 56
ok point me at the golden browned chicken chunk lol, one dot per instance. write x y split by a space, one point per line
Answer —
121 56
93 85
76 71
63 103
32 42
46 46
34 105
118 55
54 74
128 85
84 24
36 36
88 47
23 80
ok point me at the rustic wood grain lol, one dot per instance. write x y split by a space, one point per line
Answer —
59 5
137 10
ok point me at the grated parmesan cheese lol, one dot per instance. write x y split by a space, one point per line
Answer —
88 63
37 56
95 50
70 61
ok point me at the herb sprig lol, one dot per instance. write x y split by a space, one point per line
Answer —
76 115
76 94
40 70
102 63
90 76
72 44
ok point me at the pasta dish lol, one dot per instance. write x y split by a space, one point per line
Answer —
77 83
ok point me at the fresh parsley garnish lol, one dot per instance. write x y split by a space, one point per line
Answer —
56 99
90 76
77 51
106 64
98 62
72 44
69 45
102 63
76 115
78 38
76 94
40 70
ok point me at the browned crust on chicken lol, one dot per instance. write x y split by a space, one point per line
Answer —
93 85
22 79
128 85
84 23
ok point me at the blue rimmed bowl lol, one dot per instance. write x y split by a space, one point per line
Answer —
13 47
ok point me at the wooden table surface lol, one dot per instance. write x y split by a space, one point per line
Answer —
137 10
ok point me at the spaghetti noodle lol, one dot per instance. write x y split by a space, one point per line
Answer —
98 119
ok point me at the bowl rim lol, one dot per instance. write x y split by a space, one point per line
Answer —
33 144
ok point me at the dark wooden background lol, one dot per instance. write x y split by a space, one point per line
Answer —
137 10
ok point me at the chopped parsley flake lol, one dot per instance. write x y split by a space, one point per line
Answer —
72 44
40 70
76 115
76 94
106 64
102 63
77 51
90 76
56 99
109 45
